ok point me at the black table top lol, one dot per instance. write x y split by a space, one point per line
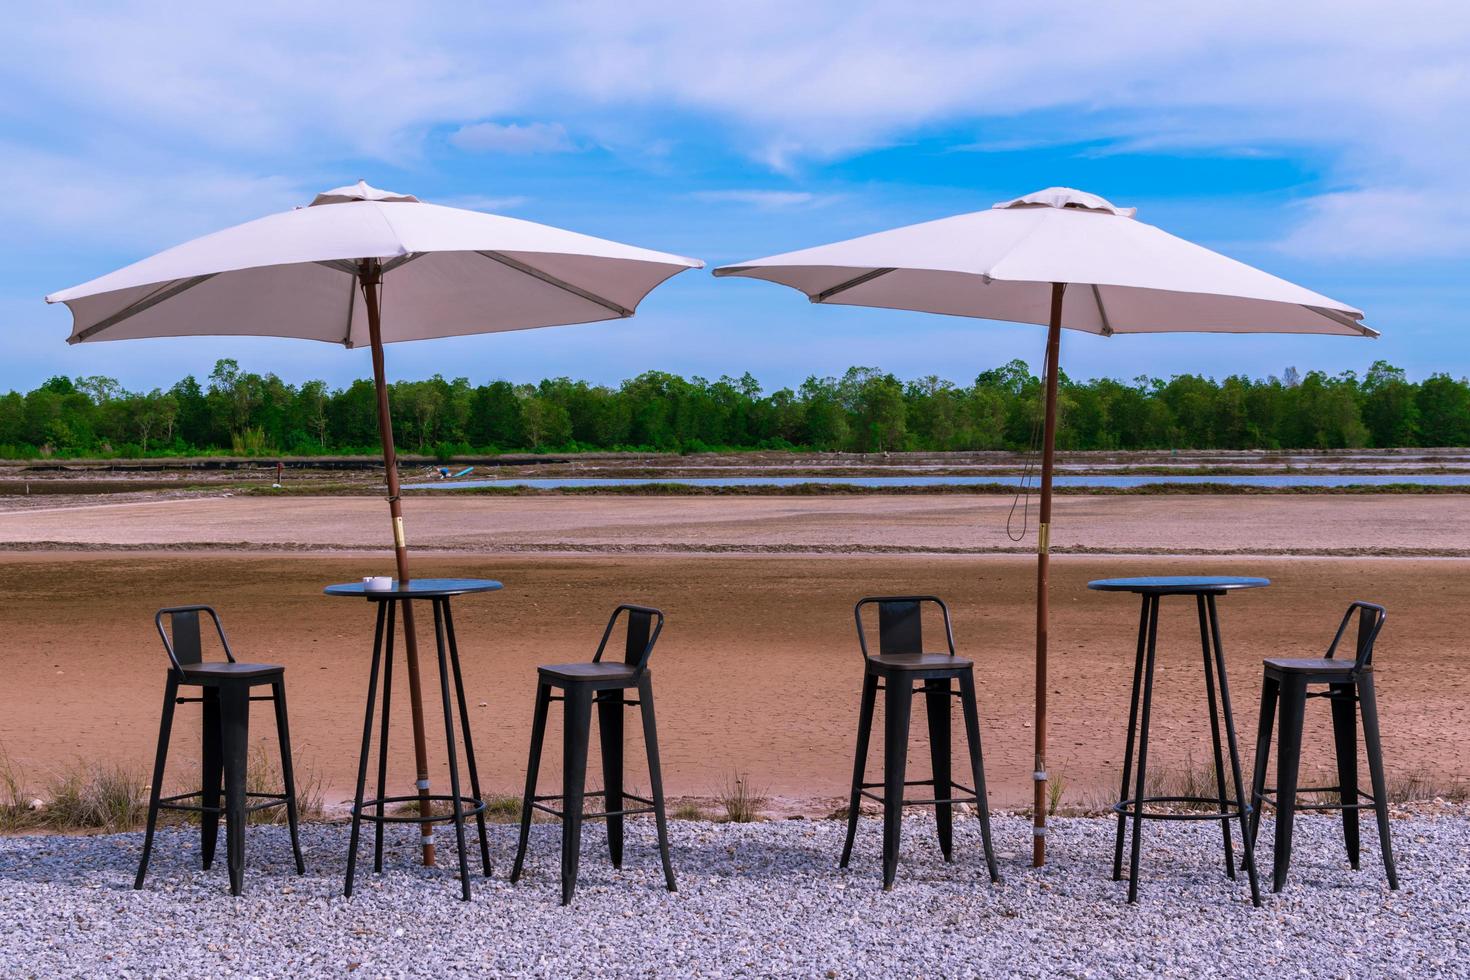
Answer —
1177 584
419 588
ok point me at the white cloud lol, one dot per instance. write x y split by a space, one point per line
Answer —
148 202
1404 223
767 200
1378 90
489 137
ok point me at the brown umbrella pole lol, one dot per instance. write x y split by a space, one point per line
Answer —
370 276
1043 549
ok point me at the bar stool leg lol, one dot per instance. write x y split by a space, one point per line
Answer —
235 742
165 728
1368 700
533 767
212 771
1148 696
383 740
937 699
1293 706
469 744
1345 737
288 774
456 798
655 777
1132 735
897 705
1246 845
576 734
977 769
860 763
367 735
1270 694
1204 636
610 734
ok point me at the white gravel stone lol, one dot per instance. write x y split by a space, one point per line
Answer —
754 899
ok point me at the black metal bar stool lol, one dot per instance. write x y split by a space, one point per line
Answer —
1349 683
438 592
583 685
901 661
225 695
1204 589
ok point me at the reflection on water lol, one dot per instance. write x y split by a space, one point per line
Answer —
1281 480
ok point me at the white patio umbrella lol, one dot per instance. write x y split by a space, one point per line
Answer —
323 272
1063 258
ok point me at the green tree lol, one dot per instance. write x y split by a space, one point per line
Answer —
1444 411
545 422
1389 407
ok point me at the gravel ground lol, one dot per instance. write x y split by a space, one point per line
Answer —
754 899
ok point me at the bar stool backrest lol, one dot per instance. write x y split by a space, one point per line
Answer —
644 625
182 640
1371 618
900 624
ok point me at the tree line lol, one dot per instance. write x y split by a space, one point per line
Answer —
865 410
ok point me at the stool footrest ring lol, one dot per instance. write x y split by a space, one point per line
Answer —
973 797
465 807
1268 796
172 802
1226 809
539 803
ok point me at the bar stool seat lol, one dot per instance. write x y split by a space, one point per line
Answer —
900 664
1350 693
617 675
583 686
1335 669
886 662
226 691
216 672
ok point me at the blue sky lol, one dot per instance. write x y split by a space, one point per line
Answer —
1323 142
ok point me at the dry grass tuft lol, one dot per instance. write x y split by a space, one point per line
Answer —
110 798
1056 785
689 810
263 775
741 801
113 798
16 811
502 808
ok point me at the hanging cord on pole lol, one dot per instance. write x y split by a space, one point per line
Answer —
1028 472
381 288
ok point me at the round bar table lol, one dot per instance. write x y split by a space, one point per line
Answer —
1205 589
438 591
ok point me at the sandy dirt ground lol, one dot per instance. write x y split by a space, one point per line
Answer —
1343 525
758 671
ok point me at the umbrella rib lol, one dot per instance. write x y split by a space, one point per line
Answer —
400 261
843 287
1346 321
146 303
339 265
1107 330
551 280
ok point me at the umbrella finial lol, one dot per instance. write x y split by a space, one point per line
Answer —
360 191
1065 197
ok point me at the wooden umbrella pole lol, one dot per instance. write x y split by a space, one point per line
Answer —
370 276
1043 555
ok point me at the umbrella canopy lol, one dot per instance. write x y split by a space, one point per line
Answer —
322 272
1062 258
1000 264
450 272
